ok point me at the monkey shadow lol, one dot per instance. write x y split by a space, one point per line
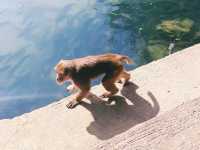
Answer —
116 116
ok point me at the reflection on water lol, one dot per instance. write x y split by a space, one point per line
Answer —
161 27
36 34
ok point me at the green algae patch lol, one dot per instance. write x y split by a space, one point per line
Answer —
176 27
157 51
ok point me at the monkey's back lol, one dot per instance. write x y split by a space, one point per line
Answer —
92 66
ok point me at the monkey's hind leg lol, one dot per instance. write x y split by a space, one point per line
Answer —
126 76
109 84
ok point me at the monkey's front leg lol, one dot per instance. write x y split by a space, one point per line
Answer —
84 90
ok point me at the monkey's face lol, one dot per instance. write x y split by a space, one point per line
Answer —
61 74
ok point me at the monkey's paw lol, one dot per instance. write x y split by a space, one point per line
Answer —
72 104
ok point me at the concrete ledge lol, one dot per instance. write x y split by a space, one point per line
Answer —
174 130
156 88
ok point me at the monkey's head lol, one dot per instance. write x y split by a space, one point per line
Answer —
62 70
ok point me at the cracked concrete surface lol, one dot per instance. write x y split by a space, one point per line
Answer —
157 108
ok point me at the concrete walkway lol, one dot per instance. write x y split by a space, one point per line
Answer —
156 90
177 129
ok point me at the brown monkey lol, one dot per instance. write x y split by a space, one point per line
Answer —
81 70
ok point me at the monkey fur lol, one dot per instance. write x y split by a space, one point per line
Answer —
81 71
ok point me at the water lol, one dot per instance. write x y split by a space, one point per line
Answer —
35 35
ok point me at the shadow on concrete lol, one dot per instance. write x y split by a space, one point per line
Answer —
116 115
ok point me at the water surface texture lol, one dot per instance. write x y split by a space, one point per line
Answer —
36 34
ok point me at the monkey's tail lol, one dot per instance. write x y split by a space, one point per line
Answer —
125 59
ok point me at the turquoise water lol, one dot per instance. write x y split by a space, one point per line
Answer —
35 35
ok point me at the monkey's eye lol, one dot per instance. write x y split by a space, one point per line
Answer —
60 74
60 77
